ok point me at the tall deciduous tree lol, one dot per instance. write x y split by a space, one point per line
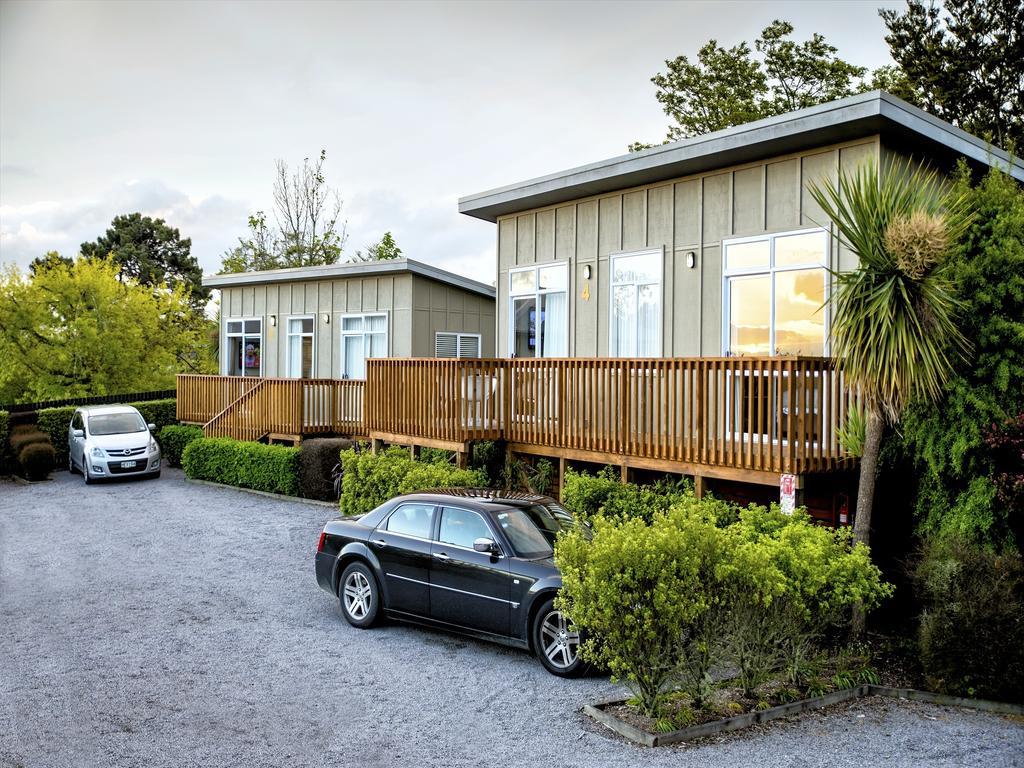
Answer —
81 329
730 86
307 232
966 65
384 250
150 252
894 324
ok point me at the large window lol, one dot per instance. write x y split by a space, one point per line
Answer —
447 344
362 336
774 294
300 347
635 327
245 348
539 307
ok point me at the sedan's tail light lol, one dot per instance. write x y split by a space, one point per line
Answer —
320 544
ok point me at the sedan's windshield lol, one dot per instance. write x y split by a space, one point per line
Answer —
116 424
531 530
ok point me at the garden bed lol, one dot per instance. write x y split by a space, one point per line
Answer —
619 716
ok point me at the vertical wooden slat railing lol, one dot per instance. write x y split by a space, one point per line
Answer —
753 413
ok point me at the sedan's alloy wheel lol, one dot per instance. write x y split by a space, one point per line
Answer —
561 641
358 595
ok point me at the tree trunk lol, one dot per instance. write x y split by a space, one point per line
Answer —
865 499
868 475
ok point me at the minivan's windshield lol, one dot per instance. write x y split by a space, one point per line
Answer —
116 424
532 529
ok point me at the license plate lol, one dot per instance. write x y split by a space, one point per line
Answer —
127 464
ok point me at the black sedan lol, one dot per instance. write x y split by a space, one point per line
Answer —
475 562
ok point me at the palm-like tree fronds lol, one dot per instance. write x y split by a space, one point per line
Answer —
894 317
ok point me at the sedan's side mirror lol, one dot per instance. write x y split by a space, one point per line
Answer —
484 544
152 427
78 433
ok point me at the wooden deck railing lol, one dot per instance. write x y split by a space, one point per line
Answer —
270 406
761 414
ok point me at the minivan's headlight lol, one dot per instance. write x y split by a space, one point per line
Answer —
153 447
98 453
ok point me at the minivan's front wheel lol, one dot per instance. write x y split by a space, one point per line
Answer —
359 596
557 642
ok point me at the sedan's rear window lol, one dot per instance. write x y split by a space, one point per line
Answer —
412 520
116 424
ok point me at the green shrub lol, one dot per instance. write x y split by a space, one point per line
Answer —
317 460
162 413
271 468
5 449
55 423
971 636
173 439
36 460
488 456
664 599
369 480
587 495
24 437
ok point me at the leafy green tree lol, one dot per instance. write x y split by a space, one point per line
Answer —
80 329
954 446
384 250
307 231
729 86
966 65
150 252
894 324
48 260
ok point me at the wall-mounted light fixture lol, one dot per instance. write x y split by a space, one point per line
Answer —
586 271
273 320
326 317
691 259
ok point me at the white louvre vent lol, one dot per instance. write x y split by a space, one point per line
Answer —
459 345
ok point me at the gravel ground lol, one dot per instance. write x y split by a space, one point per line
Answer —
162 623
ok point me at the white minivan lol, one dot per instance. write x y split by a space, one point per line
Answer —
112 441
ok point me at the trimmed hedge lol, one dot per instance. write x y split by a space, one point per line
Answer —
174 439
369 480
317 459
55 422
5 453
36 460
271 468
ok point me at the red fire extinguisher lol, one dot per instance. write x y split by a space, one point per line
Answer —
844 509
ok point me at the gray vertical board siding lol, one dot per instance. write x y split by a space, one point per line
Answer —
437 307
689 214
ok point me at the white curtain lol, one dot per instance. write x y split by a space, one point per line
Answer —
648 318
354 358
624 321
554 335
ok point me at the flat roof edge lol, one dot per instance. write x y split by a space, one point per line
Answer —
348 270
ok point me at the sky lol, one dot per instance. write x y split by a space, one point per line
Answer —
180 110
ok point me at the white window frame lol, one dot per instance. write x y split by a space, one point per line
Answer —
228 336
612 285
770 271
288 344
459 336
364 333
537 293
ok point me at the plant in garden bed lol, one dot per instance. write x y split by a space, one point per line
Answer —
368 480
664 601
174 439
271 468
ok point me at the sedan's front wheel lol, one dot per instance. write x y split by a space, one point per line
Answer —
557 642
359 596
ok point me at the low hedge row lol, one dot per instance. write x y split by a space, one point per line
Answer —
271 468
5 453
174 438
369 480
55 422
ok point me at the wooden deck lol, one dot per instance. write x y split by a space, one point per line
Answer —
727 417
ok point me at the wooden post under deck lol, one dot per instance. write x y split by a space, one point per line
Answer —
698 486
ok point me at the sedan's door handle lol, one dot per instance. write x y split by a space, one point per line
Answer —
379 543
441 556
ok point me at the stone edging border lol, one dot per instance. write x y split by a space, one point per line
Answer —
268 494
634 734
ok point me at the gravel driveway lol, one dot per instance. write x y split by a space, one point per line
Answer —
165 623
